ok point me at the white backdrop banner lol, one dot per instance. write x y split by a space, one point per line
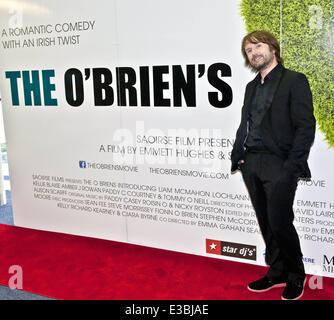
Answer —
120 117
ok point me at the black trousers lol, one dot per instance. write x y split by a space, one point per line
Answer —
272 190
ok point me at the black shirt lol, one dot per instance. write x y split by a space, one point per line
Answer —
258 109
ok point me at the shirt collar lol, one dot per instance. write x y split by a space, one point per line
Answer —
273 73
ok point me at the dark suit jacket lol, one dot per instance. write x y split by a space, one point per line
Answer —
288 126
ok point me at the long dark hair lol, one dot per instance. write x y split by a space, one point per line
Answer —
264 37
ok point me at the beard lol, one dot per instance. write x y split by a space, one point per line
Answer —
262 61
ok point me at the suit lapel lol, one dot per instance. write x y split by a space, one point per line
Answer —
271 94
250 94
273 90
266 125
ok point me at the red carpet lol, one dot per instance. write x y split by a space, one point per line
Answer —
71 267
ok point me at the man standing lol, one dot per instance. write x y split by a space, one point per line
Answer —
271 149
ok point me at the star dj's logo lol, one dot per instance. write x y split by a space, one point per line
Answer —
231 249
213 246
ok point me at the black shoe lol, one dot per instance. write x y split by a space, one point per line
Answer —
294 290
265 284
